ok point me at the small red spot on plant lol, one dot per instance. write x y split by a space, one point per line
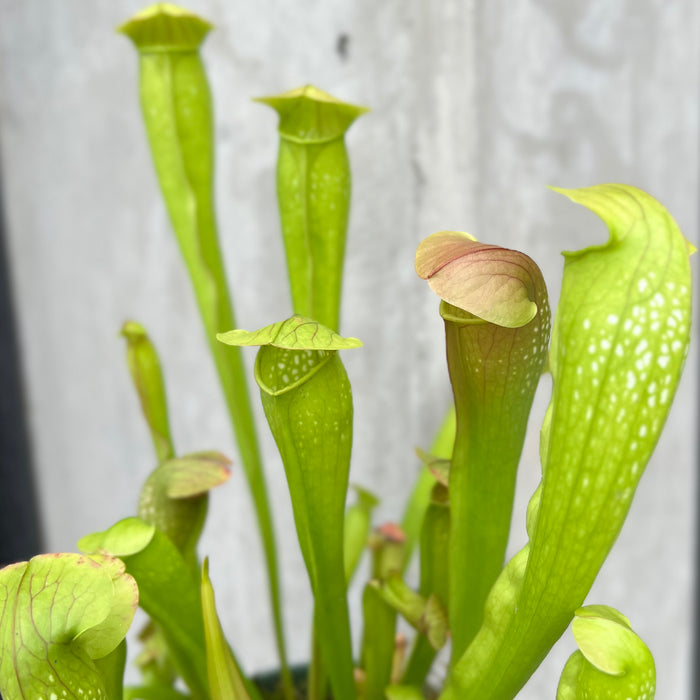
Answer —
392 532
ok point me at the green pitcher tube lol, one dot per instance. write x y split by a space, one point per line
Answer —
177 112
313 189
308 405
497 322
619 342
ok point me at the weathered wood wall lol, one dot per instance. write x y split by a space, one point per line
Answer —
476 106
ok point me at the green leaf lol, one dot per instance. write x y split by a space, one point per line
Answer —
225 678
112 667
619 342
313 190
378 650
58 614
147 376
439 467
153 692
387 544
404 692
153 660
497 321
127 537
296 333
441 448
358 522
377 642
168 591
434 577
427 615
613 662
358 519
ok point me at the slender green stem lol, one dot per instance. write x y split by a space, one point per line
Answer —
434 576
442 446
377 643
358 523
316 679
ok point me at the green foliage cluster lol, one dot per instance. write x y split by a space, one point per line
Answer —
615 351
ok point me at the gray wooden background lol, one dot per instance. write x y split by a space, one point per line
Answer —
476 106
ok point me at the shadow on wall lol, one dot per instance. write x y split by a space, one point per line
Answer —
20 536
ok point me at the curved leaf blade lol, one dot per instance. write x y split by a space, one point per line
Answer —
225 678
